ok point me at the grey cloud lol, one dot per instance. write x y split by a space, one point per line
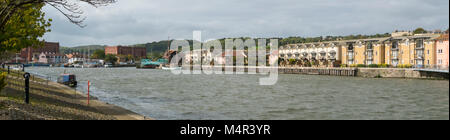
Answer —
141 21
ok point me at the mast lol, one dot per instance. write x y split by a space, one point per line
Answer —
168 44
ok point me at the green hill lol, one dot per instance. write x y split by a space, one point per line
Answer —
159 47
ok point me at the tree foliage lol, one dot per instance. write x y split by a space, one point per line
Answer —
24 28
98 54
22 22
294 40
420 31
110 58
69 8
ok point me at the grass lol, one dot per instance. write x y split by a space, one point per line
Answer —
2 106
47 102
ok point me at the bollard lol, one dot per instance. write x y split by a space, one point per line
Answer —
23 67
8 70
88 98
27 87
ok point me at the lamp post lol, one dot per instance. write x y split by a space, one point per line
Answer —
27 87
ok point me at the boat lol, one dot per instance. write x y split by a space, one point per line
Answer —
68 80
171 68
148 64
36 65
109 65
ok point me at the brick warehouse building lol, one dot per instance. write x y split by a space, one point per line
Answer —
122 50
31 54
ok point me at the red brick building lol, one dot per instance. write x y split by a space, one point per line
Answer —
31 54
122 50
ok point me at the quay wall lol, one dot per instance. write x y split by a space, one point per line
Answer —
366 72
399 73
353 72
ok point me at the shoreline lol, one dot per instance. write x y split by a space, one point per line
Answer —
53 101
118 112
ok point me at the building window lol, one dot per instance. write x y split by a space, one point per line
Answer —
428 62
440 61
428 51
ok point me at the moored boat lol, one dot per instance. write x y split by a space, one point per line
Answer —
171 68
68 79
148 64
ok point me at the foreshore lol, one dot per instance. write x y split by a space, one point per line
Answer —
53 101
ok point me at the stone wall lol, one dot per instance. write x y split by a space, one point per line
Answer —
398 73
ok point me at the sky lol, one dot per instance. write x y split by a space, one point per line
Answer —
130 22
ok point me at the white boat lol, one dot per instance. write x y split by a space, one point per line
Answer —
171 68
16 68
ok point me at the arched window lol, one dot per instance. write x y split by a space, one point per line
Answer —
370 46
394 44
350 47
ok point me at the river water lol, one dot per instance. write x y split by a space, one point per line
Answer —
162 95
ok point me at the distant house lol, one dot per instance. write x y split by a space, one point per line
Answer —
122 50
75 57
230 56
31 54
52 58
442 50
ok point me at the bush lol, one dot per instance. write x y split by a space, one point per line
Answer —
344 65
2 81
292 61
361 66
307 64
404 66
383 65
408 66
353 65
373 66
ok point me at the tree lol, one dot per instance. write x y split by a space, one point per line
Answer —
420 31
22 22
155 55
70 9
98 54
24 28
110 58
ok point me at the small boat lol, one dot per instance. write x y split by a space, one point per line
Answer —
68 79
108 65
149 64
171 68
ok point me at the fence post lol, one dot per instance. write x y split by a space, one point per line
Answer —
8 70
89 84
27 87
